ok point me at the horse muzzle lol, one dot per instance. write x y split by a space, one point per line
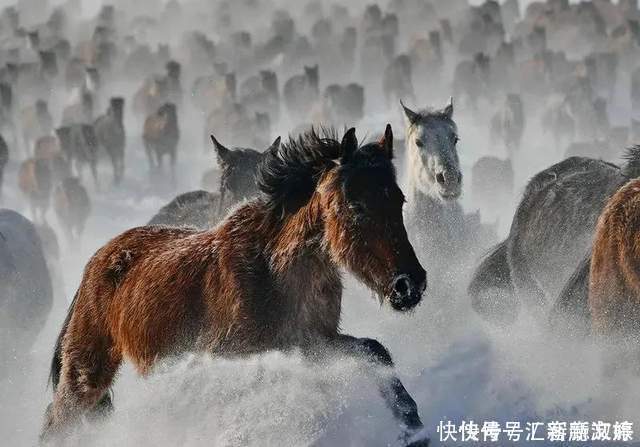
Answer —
449 184
407 290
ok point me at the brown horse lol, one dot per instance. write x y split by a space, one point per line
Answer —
614 278
266 278
161 135
35 182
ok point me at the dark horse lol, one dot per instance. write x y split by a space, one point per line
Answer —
203 209
26 293
546 254
266 278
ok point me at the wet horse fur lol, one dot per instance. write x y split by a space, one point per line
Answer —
268 277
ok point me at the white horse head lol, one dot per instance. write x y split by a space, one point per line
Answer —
432 157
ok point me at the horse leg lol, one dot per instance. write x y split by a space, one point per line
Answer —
94 172
79 168
149 153
172 157
397 398
525 285
89 365
118 168
159 159
34 209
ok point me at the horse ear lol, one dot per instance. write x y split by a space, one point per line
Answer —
410 114
387 142
448 110
274 146
221 151
349 145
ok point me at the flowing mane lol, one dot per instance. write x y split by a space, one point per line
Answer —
287 177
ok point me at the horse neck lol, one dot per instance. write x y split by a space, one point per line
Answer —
426 208
117 115
305 276
298 238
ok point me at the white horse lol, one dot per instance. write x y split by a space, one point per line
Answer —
437 225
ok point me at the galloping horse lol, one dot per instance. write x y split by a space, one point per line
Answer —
266 278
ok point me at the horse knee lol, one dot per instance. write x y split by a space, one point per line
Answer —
103 408
375 351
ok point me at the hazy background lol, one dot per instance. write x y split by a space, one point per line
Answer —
455 365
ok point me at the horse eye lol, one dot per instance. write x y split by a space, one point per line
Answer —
419 143
455 139
358 207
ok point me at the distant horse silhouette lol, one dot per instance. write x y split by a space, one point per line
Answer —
266 278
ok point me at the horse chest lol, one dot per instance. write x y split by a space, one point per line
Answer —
310 304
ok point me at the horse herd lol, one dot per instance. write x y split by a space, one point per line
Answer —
254 261
267 276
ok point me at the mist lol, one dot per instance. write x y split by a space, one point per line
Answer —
456 365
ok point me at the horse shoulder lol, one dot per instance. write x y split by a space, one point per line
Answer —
239 297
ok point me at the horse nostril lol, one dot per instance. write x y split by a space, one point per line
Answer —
440 178
401 285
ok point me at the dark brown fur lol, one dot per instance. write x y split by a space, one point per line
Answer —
266 278
48 148
111 136
79 144
36 122
72 206
35 182
161 135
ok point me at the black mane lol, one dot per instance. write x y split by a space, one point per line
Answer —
288 178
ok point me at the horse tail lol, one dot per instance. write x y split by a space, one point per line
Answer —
571 310
56 361
491 290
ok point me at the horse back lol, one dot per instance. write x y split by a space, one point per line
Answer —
141 292
554 222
